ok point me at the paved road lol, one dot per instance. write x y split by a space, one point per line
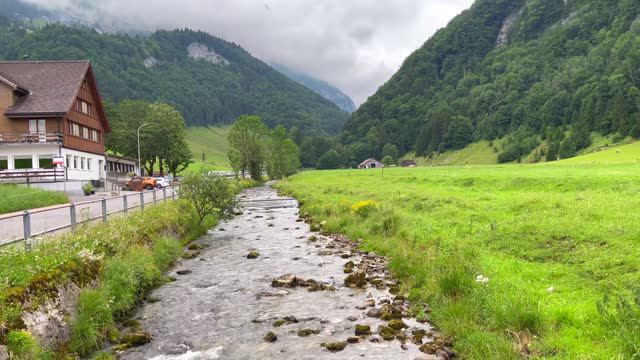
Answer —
58 217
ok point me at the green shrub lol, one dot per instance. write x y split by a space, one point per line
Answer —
22 345
93 320
210 195
87 188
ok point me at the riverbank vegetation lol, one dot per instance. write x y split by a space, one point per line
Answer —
109 267
18 198
515 260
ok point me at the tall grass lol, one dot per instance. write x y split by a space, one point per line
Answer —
513 259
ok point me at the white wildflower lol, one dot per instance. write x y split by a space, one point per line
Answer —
482 279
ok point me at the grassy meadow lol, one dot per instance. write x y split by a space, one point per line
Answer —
514 260
212 141
18 198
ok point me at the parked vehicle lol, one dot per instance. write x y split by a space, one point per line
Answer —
142 183
162 182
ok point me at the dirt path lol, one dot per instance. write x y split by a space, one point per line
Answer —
224 304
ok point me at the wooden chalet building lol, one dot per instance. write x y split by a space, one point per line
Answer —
51 110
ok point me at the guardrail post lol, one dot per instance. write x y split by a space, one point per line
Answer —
164 194
142 200
104 209
125 206
72 215
155 198
26 224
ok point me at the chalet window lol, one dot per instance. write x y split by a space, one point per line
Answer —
83 163
74 129
85 132
37 126
94 135
88 164
69 162
84 107
76 162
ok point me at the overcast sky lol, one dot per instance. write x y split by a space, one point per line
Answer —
355 45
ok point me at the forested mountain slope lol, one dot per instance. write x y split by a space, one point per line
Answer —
538 73
209 80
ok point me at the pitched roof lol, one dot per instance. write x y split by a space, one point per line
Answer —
52 85
369 160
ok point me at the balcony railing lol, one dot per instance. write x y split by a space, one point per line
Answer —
30 138
28 176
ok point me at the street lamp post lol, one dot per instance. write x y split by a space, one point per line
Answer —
139 165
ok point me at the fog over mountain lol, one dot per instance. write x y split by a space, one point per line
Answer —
355 45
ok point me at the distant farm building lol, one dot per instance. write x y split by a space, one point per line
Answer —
408 163
370 164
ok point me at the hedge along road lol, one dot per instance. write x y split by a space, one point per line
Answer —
235 291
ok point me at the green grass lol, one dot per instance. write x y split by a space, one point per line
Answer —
629 153
526 228
212 141
18 198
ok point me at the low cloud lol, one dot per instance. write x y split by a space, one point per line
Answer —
355 45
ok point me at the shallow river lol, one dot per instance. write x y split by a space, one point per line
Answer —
224 307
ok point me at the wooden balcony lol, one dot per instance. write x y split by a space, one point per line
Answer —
29 176
7 138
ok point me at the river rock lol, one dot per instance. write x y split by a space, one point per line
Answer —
308 332
4 353
387 333
374 313
184 272
270 337
253 254
335 346
362 330
353 340
356 280
286 280
136 338
397 324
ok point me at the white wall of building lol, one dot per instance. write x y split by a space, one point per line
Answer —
83 166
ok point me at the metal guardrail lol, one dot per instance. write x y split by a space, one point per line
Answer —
30 224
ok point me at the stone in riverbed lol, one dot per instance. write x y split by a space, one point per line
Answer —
286 280
375 313
308 332
253 254
397 324
184 272
136 338
353 340
387 333
356 280
362 330
335 346
270 337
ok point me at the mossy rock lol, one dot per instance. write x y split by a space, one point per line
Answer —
335 346
253 255
195 247
397 324
136 338
429 348
363 330
190 255
313 238
356 280
308 332
387 333
315 227
279 322
270 337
